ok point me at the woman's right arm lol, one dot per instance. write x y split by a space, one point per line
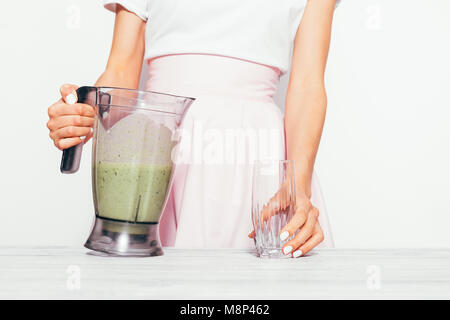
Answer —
70 121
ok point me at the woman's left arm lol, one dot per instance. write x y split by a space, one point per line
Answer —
306 104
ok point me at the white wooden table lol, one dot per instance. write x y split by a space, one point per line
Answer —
74 273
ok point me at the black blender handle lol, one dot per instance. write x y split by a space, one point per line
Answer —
71 157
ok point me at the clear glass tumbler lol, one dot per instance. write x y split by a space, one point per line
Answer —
273 205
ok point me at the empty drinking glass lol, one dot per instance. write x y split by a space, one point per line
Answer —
273 205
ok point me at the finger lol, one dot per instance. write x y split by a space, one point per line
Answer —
296 222
62 109
66 121
70 132
68 93
280 201
312 242
89 136
284 195
269 210
62 144
304 234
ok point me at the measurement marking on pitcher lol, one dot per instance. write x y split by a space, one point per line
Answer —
137 209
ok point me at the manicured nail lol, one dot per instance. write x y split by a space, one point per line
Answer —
287 249
71 99
284 235
297 253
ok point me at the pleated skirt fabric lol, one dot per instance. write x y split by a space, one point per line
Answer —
232 123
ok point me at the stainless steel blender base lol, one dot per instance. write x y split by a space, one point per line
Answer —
117 238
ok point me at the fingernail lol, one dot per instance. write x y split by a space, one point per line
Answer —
297 253
71 99
284 235
287 249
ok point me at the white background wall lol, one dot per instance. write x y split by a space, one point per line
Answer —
385 155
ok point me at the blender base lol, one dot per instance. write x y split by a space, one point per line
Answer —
116 238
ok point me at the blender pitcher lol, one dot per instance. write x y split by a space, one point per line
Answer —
135 133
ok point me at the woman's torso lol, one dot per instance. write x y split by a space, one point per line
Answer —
261 31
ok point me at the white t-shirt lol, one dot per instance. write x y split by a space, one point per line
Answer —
262 31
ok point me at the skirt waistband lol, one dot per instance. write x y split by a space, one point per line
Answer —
198 75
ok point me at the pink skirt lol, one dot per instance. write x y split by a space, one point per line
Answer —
233 122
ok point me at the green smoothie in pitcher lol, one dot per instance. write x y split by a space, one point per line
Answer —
131 192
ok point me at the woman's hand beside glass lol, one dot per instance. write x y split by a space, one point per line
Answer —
303 228
305 221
